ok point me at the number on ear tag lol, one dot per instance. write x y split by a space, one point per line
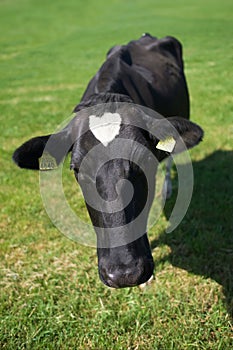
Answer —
47 162
166 145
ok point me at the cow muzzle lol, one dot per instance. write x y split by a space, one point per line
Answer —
127 276
126 266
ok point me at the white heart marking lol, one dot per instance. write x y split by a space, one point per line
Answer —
106 127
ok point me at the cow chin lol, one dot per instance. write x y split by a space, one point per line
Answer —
126 266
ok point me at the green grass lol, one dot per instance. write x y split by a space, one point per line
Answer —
51 296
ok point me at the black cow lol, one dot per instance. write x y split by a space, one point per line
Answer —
147 72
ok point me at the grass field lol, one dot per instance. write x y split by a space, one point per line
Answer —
51 296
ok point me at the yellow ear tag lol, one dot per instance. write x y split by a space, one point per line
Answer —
166 145
47 162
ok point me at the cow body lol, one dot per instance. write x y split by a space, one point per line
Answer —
146 72
150 71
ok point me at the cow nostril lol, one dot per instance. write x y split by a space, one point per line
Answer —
108 278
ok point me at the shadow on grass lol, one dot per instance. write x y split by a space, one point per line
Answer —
203 243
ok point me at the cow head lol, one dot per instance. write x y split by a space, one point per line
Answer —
115 149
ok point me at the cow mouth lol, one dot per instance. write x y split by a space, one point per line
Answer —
124 284
125 280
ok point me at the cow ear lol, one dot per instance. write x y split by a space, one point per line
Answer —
28 154
43 152
177 134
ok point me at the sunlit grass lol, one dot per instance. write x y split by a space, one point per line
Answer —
51 295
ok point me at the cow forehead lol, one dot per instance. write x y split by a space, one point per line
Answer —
110 130
109 137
